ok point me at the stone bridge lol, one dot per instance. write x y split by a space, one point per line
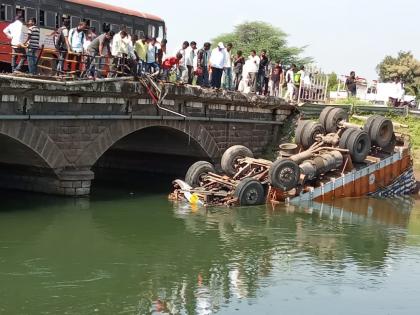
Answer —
54 136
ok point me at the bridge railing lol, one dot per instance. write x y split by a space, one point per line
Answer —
310 111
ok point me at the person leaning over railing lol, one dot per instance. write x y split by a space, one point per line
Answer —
32 42
99 49
16 33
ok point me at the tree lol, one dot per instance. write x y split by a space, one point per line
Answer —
260 35
333 82
404 66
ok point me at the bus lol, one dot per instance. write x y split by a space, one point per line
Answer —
51 13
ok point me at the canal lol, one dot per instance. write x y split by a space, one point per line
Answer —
130 251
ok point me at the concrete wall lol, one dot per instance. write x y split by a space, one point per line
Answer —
67 127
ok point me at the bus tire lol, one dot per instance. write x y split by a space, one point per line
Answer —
284 174
231 156
196 172
250 192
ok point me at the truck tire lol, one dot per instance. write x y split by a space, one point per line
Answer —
299 131
284 174
324 115
312 129
196 172
230 157
335 116
381 131
345 137
359 145
250 192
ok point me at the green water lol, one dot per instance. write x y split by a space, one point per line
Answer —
122 253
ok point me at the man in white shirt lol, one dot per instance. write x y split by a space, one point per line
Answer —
228 68
182 73
151 57
190 56
254 66
290 80
16 33
217 64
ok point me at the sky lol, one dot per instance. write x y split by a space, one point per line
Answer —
340 35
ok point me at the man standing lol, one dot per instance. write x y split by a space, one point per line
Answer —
262 70
33 45
228 68
77 38
151 57
61 42
140 49
16 33
217 63
182 73
203 58
253 68
190 55
351 85
162 51
290 80
238 65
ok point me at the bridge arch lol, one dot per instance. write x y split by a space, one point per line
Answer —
122 129
24 144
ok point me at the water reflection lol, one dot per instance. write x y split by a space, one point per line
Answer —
142 254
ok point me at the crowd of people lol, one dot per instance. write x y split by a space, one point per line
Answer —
118 52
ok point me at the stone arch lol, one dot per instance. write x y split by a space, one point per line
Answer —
121 129
36 140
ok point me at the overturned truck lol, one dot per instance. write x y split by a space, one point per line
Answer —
330 159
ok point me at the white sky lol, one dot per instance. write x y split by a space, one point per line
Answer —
341 35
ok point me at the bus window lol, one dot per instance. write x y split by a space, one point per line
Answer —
130 30
74 21
115 28
6 12
161 33
96 25
50 18
41 18
151 31
30 13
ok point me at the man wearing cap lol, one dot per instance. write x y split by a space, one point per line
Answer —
217 64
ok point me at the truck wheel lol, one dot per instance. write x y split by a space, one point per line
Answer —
310 132
231 156
369 124
359 145
324 115
345 137
196 172
299 130
335 116
382 131
284 174
250 192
